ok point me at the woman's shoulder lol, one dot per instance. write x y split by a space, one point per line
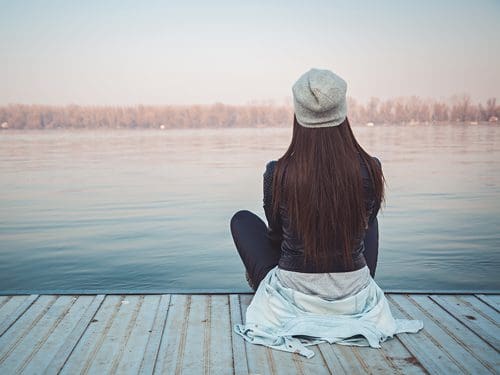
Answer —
365 173
270 166
377 160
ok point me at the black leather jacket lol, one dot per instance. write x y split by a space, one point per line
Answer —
292 249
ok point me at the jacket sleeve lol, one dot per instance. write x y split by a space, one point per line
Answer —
274 224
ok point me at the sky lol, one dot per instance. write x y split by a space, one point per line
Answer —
101 52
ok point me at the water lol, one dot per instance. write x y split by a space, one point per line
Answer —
149 210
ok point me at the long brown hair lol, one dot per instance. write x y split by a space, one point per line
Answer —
318 180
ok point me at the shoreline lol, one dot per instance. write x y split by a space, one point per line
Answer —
258 127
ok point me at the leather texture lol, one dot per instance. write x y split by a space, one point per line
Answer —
292 249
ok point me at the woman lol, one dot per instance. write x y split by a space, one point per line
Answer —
313 266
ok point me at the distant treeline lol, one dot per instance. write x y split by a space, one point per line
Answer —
392 111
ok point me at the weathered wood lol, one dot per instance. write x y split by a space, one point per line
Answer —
112 348
132 349
31 343
154 341
351 363
22 326
90 343
403 361
493 301
220 353
472 317
399 358
488 312
239 353
13 309
426 351
302 365
283 362
68 344
476 346
176 334
195 357
331 360
45 347
375 360
3 301
453 349
9 305
315 365
171 354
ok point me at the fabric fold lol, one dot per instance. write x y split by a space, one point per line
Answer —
288 320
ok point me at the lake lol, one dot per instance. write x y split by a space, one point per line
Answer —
149 210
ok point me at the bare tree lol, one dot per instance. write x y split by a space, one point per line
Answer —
391 111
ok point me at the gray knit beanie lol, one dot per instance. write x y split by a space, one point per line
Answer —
319 99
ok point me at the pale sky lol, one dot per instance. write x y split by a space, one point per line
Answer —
165 52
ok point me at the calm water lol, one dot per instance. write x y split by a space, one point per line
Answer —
149 210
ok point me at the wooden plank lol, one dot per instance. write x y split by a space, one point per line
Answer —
491 300
28 346
459 332
375 360
196 358
422 345
402 360
453 348
22 326
68 344
482 308
350 362
3 301
171 354
238 346
285 362
471 317
132 351
44 351
331 360
111 351
85 351
358 360
154 341
10 304
14 309
220 347
259 358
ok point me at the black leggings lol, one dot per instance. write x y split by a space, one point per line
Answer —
260 255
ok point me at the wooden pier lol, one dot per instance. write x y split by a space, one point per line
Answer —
192 334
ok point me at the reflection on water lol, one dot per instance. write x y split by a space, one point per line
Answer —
149 210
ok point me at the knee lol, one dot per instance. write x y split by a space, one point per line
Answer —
239 217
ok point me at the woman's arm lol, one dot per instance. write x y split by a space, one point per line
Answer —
371 239
274 224
371 246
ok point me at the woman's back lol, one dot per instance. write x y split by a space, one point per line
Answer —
282 232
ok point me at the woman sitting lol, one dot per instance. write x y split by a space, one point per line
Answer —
313 266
